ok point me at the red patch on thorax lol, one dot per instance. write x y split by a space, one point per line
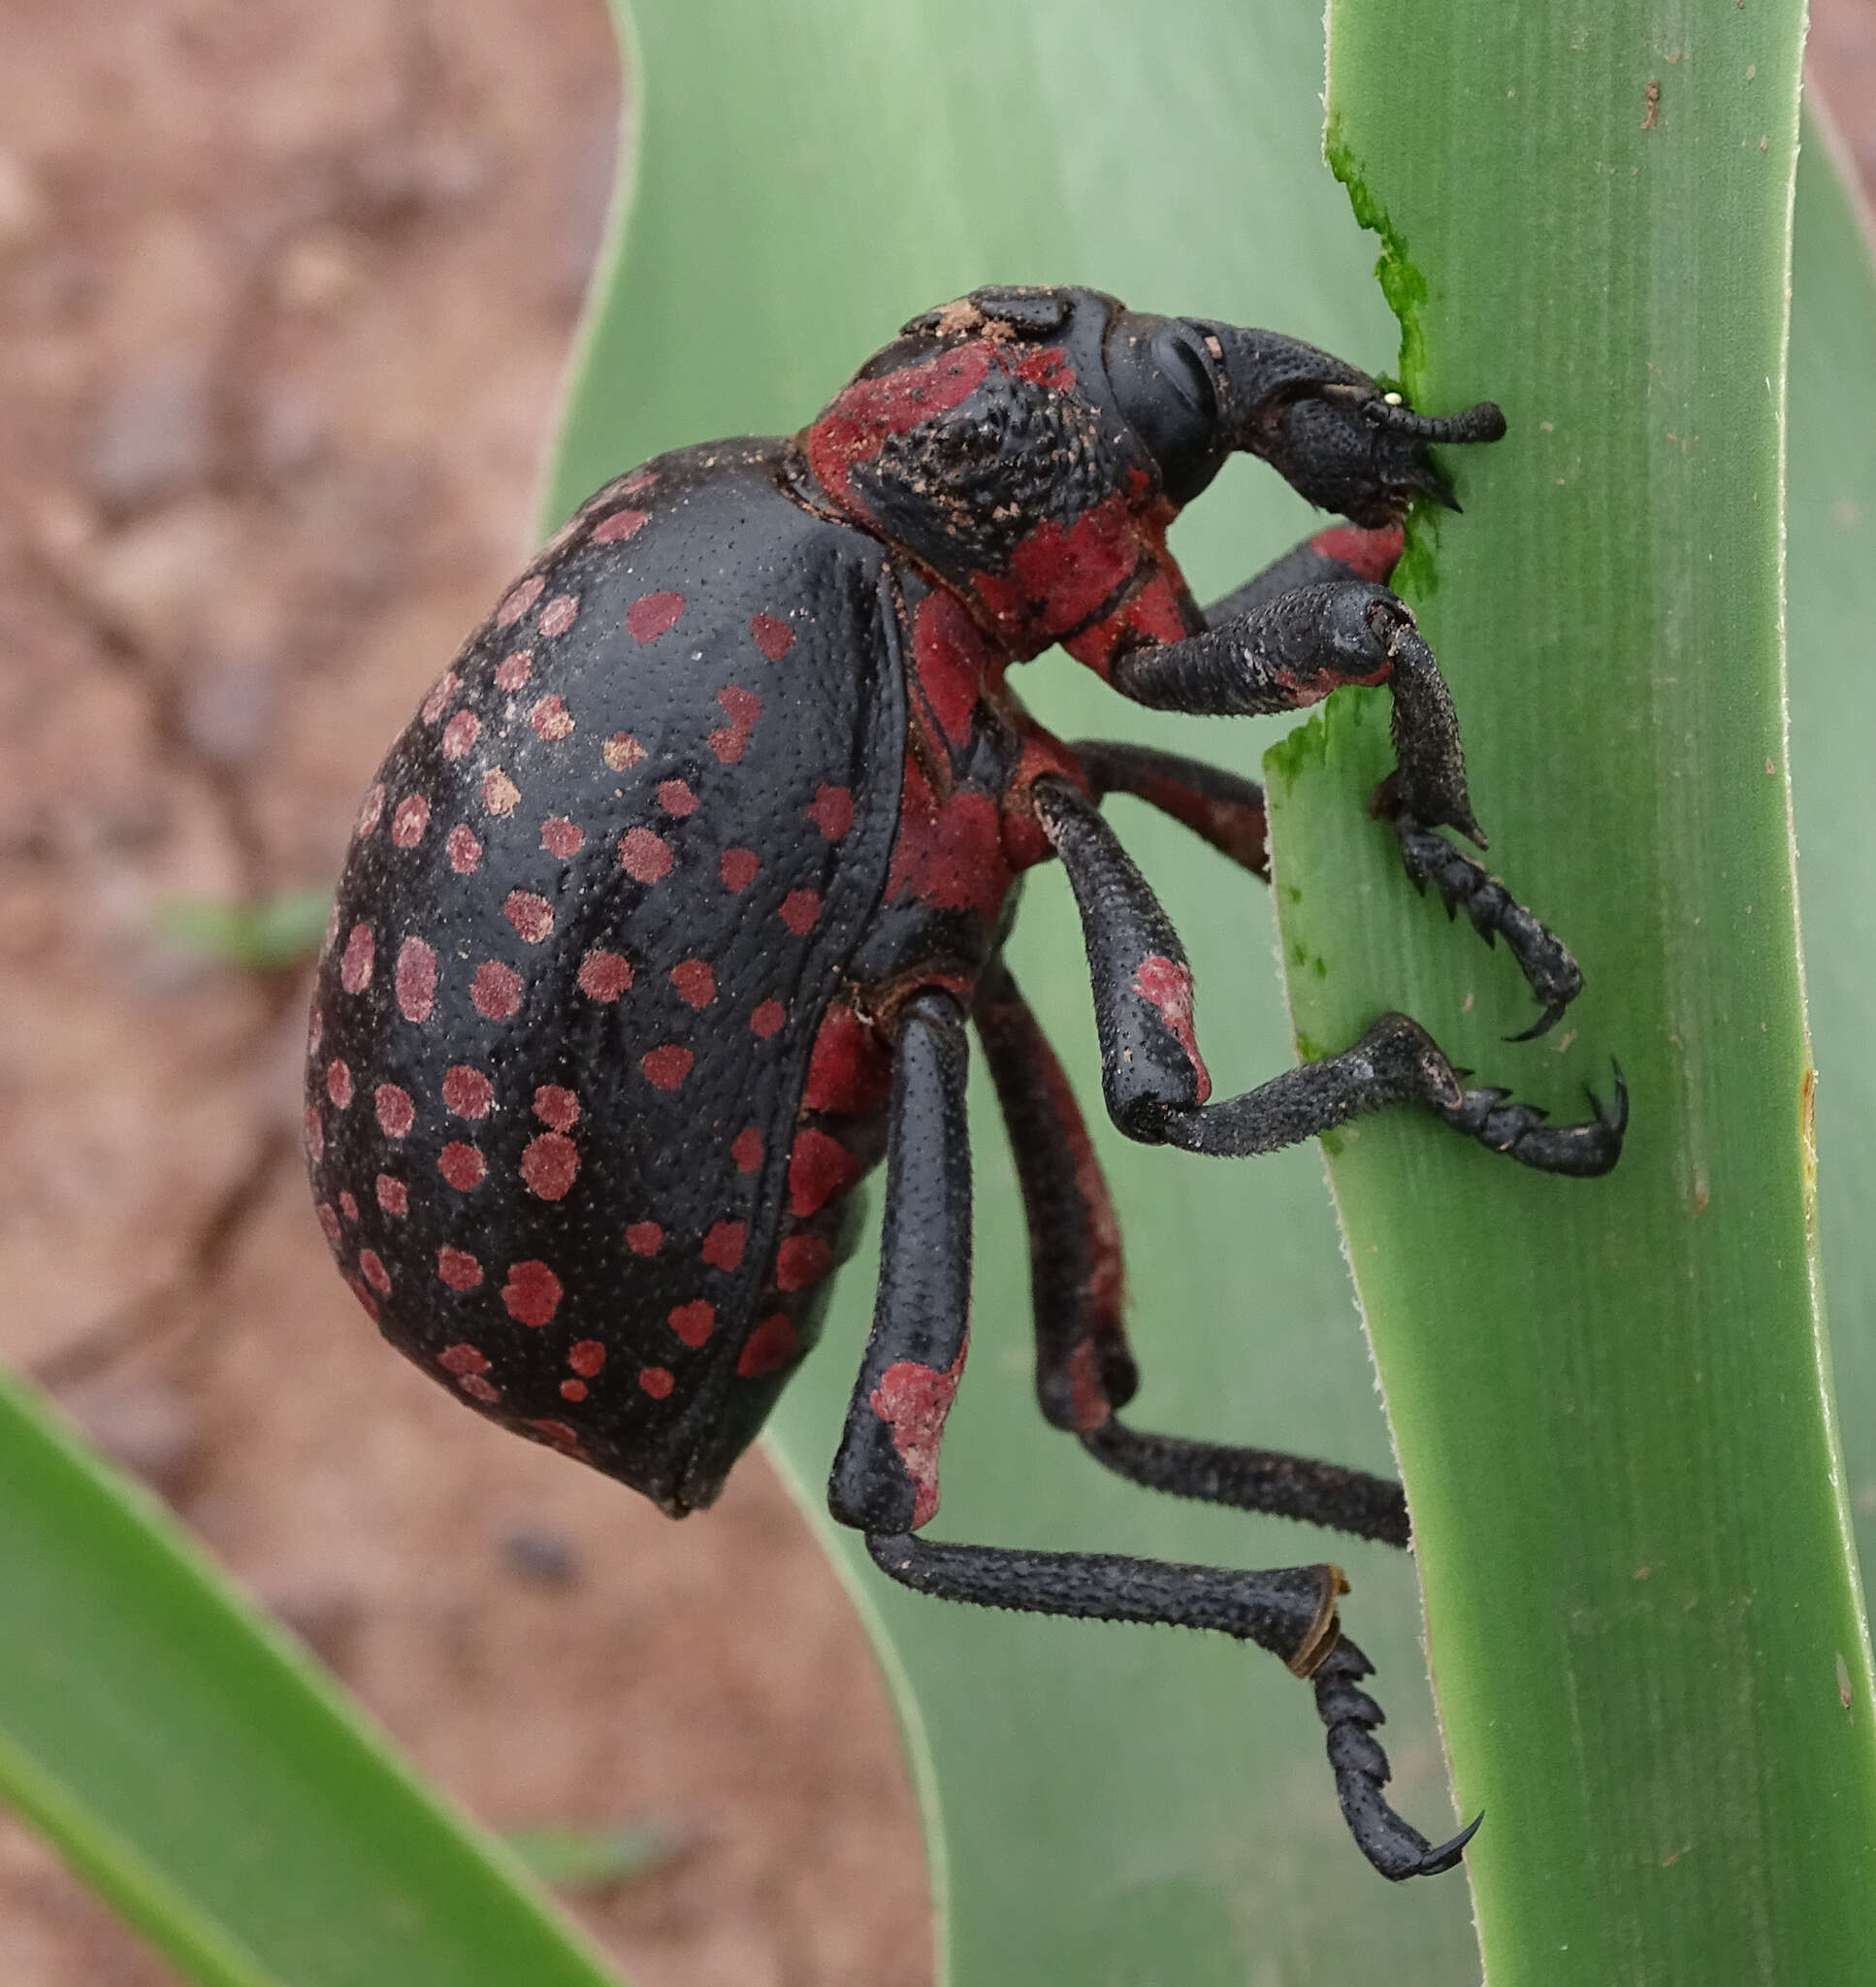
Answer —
949 853
861 416
850 1067
953 661
912 1401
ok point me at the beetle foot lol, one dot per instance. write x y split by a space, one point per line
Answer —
1519 1131
1465 884
1395 1846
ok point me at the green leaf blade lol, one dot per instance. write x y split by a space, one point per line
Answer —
204 1776
1605 1396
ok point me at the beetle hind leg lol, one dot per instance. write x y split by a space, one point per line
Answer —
885 1479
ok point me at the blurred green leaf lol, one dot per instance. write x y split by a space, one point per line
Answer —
270 936
584 1859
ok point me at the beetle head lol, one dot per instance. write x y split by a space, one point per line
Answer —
1195 391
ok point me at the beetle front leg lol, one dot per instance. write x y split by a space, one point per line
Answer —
1155 1081
885 1479
1294 650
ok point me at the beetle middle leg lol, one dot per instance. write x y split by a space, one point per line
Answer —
1084 1372
885 1479
1156 1083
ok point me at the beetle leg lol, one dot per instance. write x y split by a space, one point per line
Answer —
1156 1084
1220 807
884 1478
1084 1369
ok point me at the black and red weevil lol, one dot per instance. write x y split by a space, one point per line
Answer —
664 920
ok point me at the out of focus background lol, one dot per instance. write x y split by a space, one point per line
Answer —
285 297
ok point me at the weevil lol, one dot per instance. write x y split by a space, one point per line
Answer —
664 919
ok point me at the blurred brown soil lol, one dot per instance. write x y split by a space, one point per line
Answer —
285 294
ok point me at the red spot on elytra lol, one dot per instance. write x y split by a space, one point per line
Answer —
372 810
656 1381
667 1067
393 1195
548 1166
396 1113
349 1207
532 1294
463 847
645 857
496 991
773 635
458 1268
801 1260
1371 554
531 916
586 1356
500 794
622 752
742 707
460 734
832 812
620 526
367 1302
550 717
723 1244
512 671
746 1148
409 822
482 1389
567 1440
769 1345
462 1358
437 701
315 1135
559 614
696 981
370 1267
643 1238
737 868
912 1401
1166 985
799 909
650 615
562 837
461 1165
604 975
557 1107
416 978
339 1082
329 1225
517 603
820 1169
676 798
355 966
769 1019
466 1092
693 1322
574 1390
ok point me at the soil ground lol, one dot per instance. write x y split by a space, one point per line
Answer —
285 295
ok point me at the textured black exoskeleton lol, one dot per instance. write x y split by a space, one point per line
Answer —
664 918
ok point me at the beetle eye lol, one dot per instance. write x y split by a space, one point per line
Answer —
1164 389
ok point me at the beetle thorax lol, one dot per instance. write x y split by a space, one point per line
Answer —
991 465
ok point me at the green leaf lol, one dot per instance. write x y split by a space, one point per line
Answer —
587 1859
216 1788
1607 1397
1105 1806
270 936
